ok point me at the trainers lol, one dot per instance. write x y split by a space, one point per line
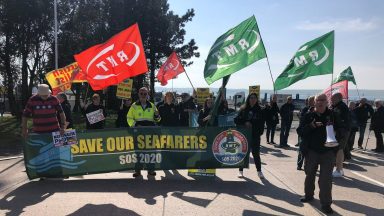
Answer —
260 174
337 174
152 173
136 174
240 174
327 209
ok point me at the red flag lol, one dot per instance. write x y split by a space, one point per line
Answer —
170 69
340 87
121 57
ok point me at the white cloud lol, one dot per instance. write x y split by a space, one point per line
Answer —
347 25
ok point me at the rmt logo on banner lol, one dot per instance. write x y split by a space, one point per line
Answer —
313 55
121 56
242 44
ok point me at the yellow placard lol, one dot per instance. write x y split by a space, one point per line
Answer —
255 89
64 77
124 89
202 172
202 94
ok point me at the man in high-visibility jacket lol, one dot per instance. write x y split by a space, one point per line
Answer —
143 113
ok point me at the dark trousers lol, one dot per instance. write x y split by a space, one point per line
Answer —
300 156
271 132
284 133
255 150
361 134
349 146
379 140
326 162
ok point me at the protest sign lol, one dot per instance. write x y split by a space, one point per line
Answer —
95 116
124 89
202 172
255 89
201 95
68 138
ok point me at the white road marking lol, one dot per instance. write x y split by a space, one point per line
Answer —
370 179
369 157
10 158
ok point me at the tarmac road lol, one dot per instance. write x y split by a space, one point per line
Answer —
360 192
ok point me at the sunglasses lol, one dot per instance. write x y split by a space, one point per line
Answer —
143 94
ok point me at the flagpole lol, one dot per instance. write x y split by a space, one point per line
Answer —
56 47
331 86
190 81
358 93
270 72
269 66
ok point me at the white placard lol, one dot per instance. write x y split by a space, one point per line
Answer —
95 116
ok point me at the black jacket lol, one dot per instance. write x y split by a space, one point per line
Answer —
183 115
169 115
92 108
222 110
121 120
315 138
286 112
354 123
68 114
202 114
342 117
255 115
272 114
377 121
363 113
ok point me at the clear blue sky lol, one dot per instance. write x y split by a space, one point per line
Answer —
284 27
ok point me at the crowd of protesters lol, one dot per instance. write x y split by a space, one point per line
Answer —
52 113
172 114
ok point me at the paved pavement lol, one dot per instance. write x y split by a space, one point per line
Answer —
360 192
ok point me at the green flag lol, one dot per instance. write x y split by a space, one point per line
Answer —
312 59
347 74
234 50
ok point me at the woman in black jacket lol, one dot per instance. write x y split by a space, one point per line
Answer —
204 115
252 115
272 119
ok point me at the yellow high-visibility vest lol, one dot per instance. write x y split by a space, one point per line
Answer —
139 116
